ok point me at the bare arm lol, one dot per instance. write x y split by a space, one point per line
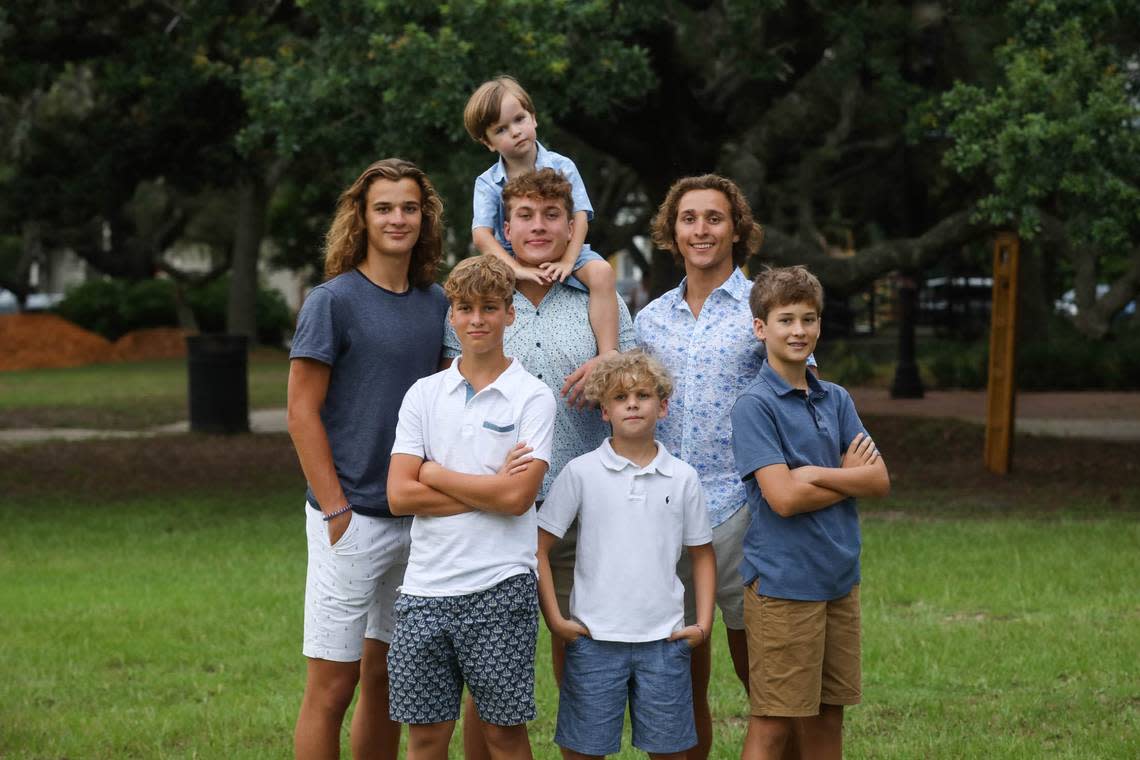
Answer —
408 496
488 245
502 493
308 385
567 630
863 472
807 489
788 496
703 559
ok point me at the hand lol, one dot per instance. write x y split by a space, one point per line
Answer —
556 270
568 630
531 274
574 388
693 635
862 451
337 526
517 461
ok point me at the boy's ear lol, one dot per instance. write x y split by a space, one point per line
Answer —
664 410
510 312
758 328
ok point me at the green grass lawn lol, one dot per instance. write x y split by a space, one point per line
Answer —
169 626
126 395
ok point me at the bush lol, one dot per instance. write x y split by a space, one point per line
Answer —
847 366
957 365
96 305
115 307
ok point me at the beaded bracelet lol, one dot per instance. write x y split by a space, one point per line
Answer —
338 513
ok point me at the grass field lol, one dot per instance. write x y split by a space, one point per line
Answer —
126 396
170 627
150 603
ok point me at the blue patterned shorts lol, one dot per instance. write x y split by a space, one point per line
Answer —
485 640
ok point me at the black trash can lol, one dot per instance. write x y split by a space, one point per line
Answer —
219 384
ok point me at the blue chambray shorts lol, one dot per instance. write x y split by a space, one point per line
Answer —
485 640
600 676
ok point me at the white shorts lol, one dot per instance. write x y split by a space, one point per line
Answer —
350 587
728 543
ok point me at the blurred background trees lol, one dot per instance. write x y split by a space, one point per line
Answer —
871 138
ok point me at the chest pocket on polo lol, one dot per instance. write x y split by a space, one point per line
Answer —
496 438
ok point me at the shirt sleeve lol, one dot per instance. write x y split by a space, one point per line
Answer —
485 203
316 336
627 338
451 347
697 530
409 425
536 428
577 187
755 437
849 423
562 503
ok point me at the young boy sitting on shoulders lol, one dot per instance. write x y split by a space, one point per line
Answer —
500 115
804 456
636 506
467 611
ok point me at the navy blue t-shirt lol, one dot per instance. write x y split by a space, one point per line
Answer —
812 556
378 343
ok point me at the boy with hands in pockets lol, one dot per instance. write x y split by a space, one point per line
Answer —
636 507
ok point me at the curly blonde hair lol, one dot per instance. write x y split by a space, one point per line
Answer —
480 278
346 242
625 371
751 234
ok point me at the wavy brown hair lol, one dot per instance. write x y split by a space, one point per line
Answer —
751 234
346 242
544 185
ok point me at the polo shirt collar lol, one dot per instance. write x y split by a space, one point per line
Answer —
737 286
816 389
499 170
662 463
453 379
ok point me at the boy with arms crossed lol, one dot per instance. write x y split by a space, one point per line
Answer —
636 506
363 337
467 612
501 116
804 457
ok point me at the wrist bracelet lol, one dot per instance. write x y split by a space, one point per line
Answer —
338 513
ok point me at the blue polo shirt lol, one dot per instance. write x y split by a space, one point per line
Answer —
812 556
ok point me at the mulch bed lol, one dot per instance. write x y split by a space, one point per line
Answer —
37 341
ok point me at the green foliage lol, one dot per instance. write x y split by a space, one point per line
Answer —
115 307
955 364
1067 361
847 365
270 310
1059 132
96 305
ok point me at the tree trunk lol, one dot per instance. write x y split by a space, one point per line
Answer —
253 203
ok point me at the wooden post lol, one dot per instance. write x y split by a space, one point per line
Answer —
1001 390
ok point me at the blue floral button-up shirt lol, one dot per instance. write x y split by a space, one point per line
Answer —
713 359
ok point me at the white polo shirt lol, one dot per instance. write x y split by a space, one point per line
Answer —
632 523
444 421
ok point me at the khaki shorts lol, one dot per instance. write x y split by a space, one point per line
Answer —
728 543
802 654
